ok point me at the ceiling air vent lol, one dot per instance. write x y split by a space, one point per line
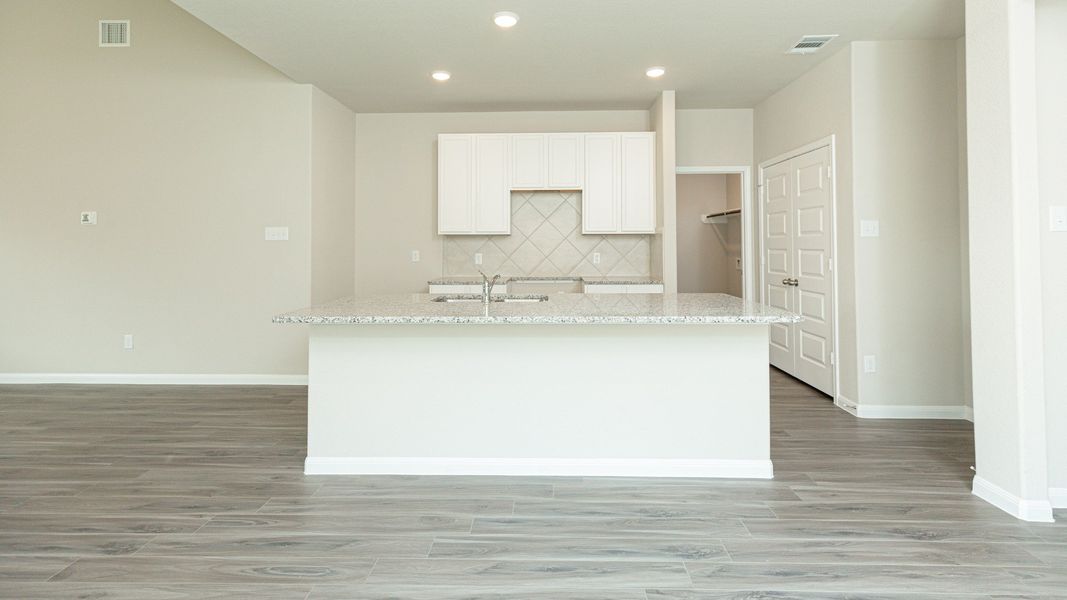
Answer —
114 34
811 43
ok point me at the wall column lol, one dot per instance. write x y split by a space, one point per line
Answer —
1005 259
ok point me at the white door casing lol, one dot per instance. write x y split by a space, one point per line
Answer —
797 244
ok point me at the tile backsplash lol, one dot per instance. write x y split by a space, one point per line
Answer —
546 241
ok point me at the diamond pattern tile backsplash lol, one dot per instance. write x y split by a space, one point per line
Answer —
546 241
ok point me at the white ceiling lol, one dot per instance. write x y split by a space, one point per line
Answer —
377 55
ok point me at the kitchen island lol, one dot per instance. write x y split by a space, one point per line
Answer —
670 385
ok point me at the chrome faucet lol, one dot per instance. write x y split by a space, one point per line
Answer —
487 287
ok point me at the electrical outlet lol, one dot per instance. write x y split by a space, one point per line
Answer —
596 258
276 234
477 258
869 364
868 228
415 256
1057 218
88 218
127 341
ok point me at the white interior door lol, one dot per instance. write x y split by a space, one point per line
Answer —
778 258
797 252
813 241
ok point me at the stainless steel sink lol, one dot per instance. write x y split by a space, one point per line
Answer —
469 298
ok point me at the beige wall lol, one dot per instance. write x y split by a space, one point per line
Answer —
1052 156
333 164
665 241
187 146
818 105
716 137
396 184
905 175
707 252
965 274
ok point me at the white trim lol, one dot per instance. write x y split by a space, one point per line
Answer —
845 404
152 379
914 411
968 413
748 270
1039 511
829 141
1057 497
583 467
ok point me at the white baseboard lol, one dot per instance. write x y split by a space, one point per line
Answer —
151 379
1039 511
968 413
845 404
917 411
1057 497
580 467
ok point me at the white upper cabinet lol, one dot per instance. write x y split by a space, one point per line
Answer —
473 196
600 196
614 171
455 184
619 192
528 161
638 189
565 164
492 194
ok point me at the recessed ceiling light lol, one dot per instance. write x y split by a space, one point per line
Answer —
655 72
505 19
441 75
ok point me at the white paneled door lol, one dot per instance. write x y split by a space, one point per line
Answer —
797 265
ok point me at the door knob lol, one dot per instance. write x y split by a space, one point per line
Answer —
791 281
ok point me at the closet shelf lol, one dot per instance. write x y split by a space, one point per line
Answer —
719 218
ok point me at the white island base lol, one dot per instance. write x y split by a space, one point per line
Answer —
673 400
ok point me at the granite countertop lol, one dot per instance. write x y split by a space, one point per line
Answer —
624 280
559 309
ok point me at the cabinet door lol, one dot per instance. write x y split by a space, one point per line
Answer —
528 154
455 179
638 194
492 197
564 161
600 196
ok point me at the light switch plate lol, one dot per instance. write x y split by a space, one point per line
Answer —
596 258
869 364
276 234
1057 218
127 341
477 258
88 218
415 257
868 228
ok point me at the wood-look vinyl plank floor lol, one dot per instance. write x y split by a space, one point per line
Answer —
187 492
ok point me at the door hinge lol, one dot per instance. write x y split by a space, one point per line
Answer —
831 358
830 172
830 264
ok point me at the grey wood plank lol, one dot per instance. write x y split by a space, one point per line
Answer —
171 569
296 544
465 592
894 552
646 548
66 544
414 524
806 529
683 594
72 524
126 591
660 510
877 578
348 505
520 574
158 505
910 511
30 568
610 526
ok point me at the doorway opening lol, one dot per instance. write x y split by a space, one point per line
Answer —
714 212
